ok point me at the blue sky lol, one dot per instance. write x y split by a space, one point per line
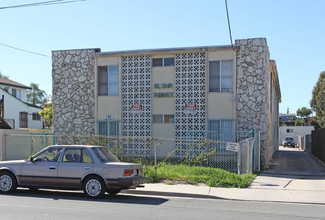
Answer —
294 29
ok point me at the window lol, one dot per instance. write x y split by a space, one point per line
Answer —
157 62
18 95
102 80
14 92
162 118
113 82
221 130
168 118
50 155
157 118
221 76
108 80
108 128
167 61
36 117
105 155
289 130
76 155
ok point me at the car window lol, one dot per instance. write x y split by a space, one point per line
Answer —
50 155
76 155
105 155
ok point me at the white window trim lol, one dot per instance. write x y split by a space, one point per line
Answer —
233 76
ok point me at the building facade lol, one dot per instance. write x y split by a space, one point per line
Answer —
168 92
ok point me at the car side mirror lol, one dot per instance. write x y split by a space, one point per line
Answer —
32 159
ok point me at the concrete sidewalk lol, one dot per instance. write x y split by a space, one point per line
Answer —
293 176
295 194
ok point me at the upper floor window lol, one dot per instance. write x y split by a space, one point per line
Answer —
108 80
16 93
167 61
221 76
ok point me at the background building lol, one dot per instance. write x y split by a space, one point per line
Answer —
168 92
16 111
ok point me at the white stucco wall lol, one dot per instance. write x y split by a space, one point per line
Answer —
297 131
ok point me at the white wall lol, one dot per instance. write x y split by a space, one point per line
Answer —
12 107
23 92
297 131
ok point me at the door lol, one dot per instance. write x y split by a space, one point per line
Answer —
23 119
74 164
42 171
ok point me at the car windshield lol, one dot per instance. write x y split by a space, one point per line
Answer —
289 139
105 155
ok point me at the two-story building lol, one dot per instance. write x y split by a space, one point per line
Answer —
16 111
168 92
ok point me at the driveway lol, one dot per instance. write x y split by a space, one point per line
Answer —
292 169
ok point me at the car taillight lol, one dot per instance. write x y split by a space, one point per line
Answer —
128 172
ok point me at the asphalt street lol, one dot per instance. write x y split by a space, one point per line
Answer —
50 204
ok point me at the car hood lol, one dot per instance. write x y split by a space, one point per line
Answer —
11 162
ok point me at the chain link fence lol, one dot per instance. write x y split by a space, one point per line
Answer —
210 151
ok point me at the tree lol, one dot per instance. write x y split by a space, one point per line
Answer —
35 95
303 115
47 113
317 102
304 112
3 76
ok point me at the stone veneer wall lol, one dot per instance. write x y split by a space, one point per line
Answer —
73 92
253 68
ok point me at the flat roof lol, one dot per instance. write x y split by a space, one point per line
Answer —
164 50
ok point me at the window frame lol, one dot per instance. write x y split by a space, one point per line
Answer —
109 75
163 61
82 150
37 116
160 121
220 76
104 127
163 119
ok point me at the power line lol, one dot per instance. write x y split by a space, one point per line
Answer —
53 2
27 51
232 45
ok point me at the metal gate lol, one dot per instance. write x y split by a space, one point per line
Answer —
246 159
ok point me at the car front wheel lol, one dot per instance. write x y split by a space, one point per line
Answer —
94 187
8 182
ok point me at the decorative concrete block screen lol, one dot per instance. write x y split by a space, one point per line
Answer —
136 103
190 97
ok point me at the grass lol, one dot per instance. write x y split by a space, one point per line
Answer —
214 177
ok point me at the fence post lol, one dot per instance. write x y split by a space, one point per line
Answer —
5 147
155 153
238 159
53 140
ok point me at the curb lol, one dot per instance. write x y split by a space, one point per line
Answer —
171 194
201 196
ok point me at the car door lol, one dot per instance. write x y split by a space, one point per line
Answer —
42 169
74 164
